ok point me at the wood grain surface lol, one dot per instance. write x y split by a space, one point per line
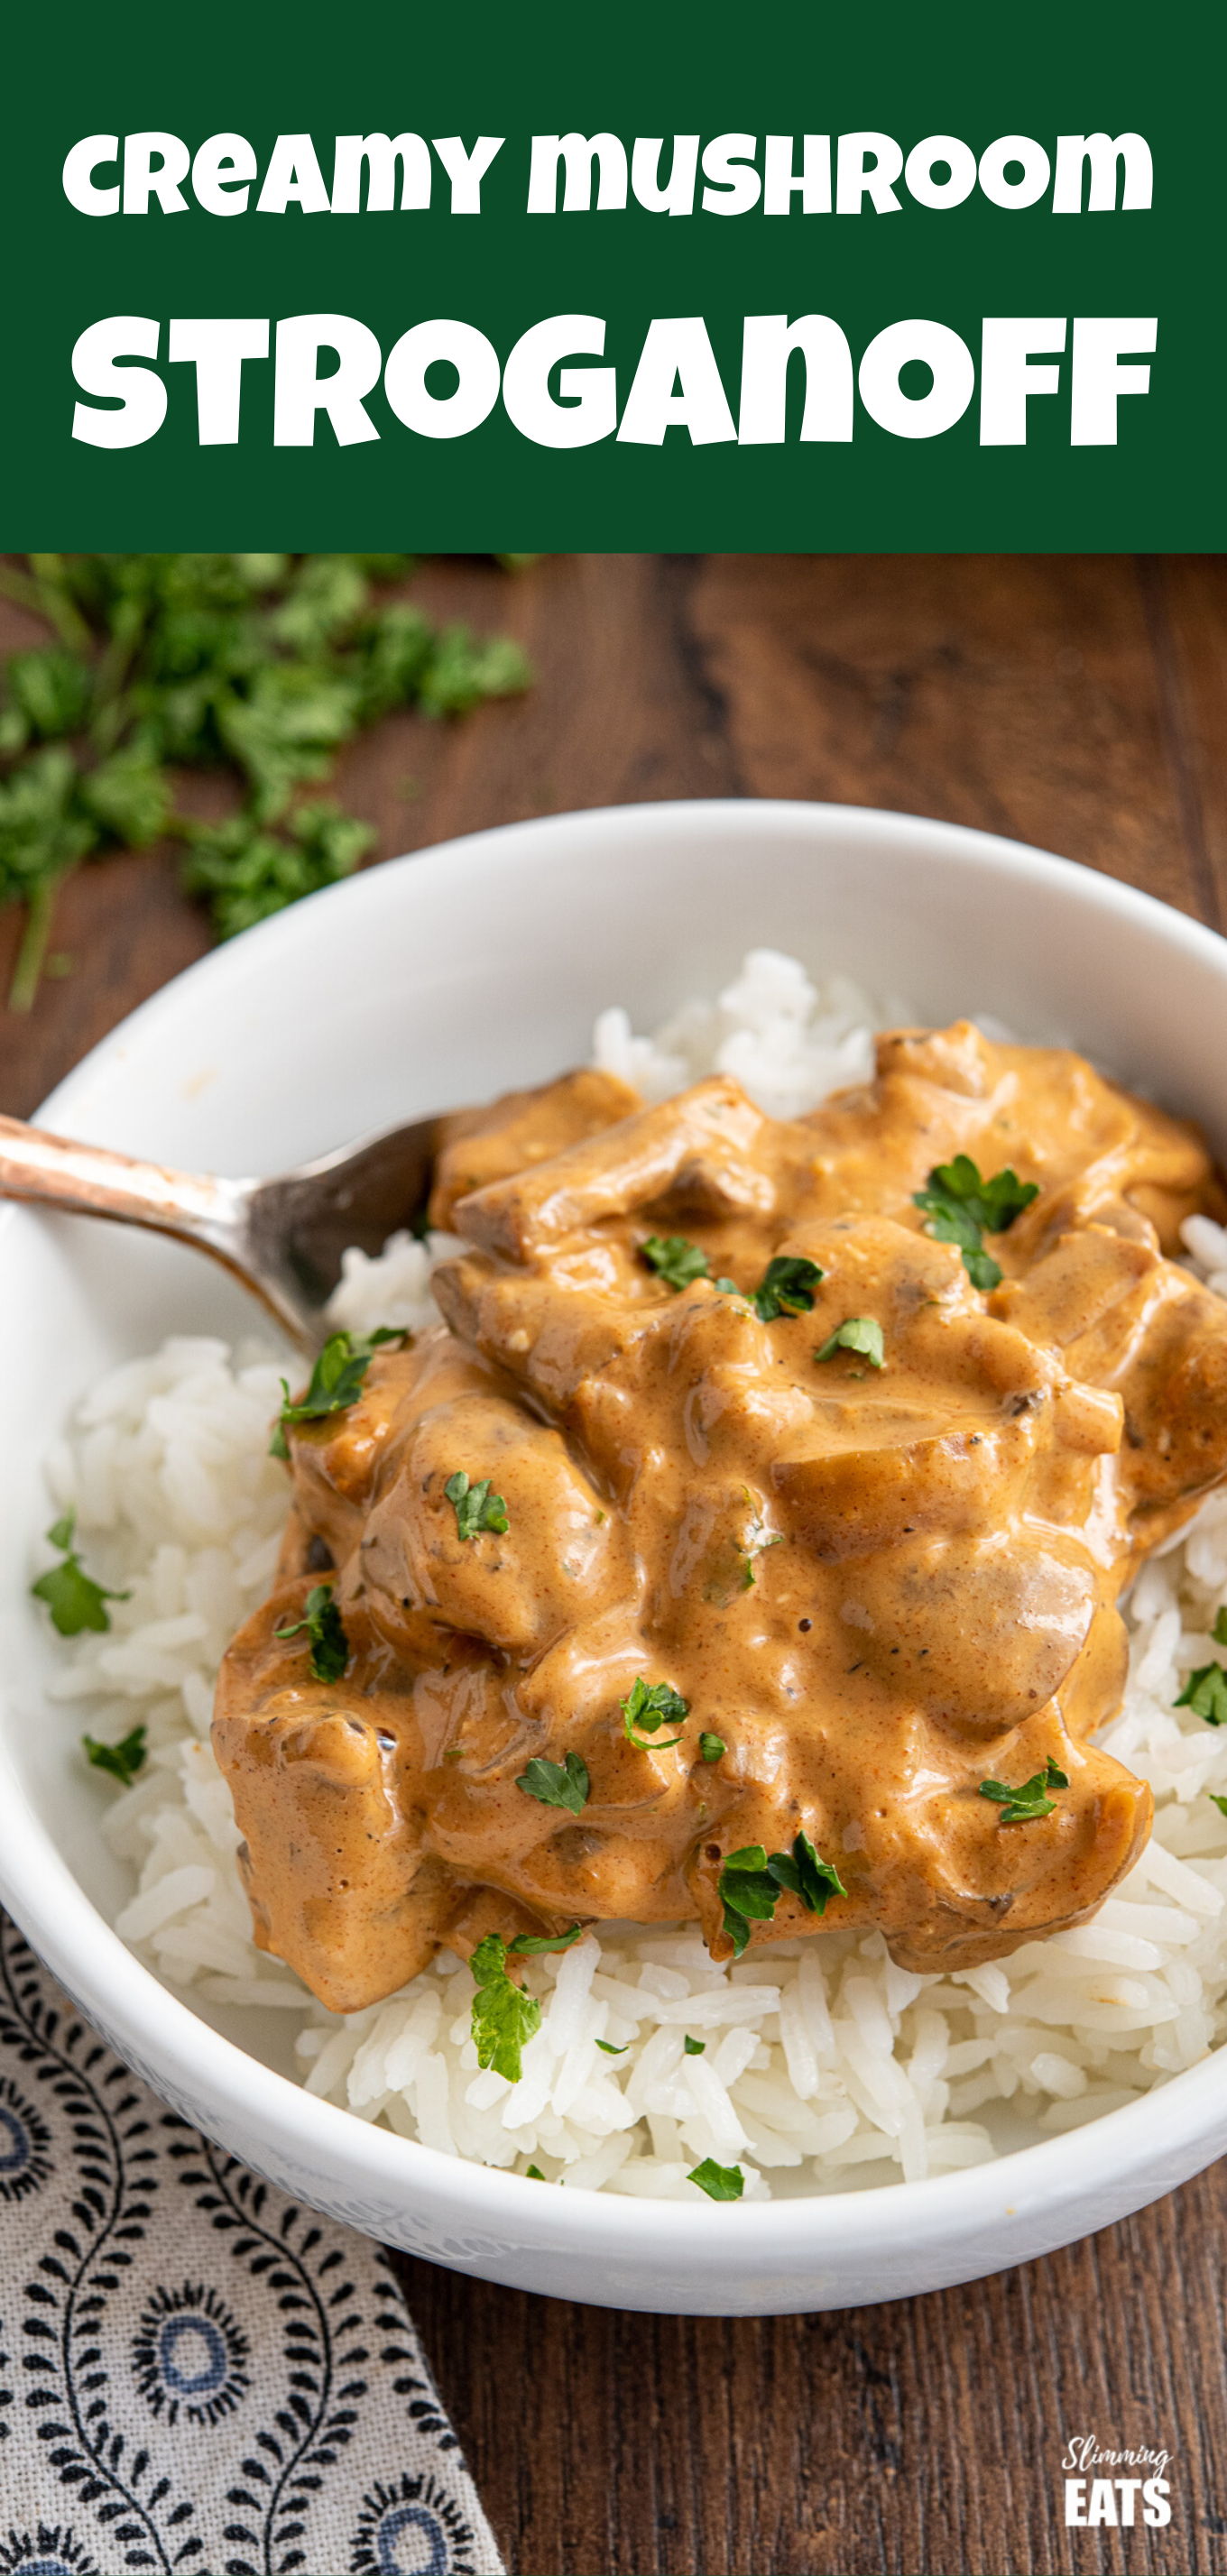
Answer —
1078 703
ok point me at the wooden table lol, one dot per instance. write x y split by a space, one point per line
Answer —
1079 704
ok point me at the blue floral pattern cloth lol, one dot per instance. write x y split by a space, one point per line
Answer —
195 2374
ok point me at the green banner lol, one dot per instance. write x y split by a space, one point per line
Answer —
670 277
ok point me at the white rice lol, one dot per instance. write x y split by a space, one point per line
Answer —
786 1041
824 2066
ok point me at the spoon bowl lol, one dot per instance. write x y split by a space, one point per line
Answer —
283 1238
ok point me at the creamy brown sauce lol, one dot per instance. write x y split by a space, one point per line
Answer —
937 1547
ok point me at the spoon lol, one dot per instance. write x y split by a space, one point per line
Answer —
283 1238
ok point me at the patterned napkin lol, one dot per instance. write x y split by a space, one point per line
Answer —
195 2374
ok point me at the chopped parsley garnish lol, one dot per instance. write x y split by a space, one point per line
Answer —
1205 1692
786 1287
962 1208
246 868
557 1784
504 2017
1219 1630
720 2182
1025 1805
693 2047
530 1945
533 2173
751 1884
122 1760
749 1577
804 1875
746 1893
711 1747
757 1543
860 1333
1216 1801
325 1631
650 1708
675 1259
71 1595
609 2049
336 1382
475 1507
165 662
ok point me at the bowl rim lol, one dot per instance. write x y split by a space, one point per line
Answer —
143 2018
964 844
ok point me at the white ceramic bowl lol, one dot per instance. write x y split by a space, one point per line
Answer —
448 977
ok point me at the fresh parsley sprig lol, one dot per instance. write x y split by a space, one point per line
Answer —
533 1945
786 1287
503 2018
475 1507
1205 1692
557 1784
122 1760
325 1631
260 663
648 1707
54 813
758 1540
247 869
861 1333
720 2182
336 1382
804 1875
1025 1805
751 1883
748 1893
71 1595
962 1208
675 1259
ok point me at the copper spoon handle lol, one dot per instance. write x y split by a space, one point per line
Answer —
93 1180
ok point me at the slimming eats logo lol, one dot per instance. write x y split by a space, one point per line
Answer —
1134 2491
